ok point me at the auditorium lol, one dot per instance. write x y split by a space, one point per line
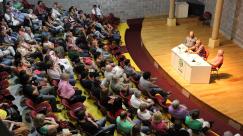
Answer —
121 67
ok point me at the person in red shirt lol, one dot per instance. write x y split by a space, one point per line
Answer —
218 60
40 10
158 125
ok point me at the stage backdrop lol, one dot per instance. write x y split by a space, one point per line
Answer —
125 9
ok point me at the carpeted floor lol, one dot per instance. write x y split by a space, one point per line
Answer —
133 44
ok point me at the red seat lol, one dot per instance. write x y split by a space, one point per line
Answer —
207 54
43 106
216 69
78 105
72 114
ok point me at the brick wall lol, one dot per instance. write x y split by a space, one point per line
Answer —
232 18
125 9
238 24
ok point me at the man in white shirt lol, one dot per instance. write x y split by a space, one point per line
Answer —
136 100
96 11
10 18
143 113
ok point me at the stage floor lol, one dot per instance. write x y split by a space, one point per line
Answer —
224 94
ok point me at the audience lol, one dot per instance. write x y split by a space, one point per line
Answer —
35 47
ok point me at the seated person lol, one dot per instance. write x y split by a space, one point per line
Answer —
218 60
15 128
26 4
177 130
113 105
11 19
38 93
45 125
53 70
87 80
35 22
29 37
136 131
97 33
117 86
67 91
40 10
7 35
143 113
190 40
71 45
6 54
28 50
125 124
130 71
136 100
195 123
198 48
158 125
53 26
17 5
178 111
47 43
94 127
147 83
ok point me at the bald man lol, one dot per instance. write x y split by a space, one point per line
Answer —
190 40
218 60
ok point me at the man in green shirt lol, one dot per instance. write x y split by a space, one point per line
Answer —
125 124
197 125
18 5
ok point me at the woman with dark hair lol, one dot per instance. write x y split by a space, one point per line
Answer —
40 10
92 126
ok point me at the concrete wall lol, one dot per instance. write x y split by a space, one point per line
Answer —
125 9
232 18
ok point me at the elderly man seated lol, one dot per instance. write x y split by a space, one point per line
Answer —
218 60
178 111
136 100
190 40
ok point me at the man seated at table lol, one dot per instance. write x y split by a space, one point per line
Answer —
218 60
190 40
198 48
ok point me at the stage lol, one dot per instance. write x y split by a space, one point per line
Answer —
224 95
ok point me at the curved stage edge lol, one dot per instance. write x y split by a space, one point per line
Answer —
146 62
